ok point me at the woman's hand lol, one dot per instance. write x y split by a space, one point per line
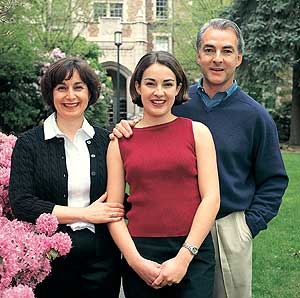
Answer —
172 272
103 212
147 270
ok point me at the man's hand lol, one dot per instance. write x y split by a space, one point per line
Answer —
123 129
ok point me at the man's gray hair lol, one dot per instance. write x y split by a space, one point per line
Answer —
222 24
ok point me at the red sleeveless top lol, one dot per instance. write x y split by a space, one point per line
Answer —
161 170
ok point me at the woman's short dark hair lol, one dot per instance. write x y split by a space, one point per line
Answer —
164 58
63 69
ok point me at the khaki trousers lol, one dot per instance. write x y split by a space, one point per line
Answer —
233 248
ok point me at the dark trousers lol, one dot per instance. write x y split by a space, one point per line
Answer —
90 270
197 283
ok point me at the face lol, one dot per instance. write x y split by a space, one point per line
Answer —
218 58
71 97
158 89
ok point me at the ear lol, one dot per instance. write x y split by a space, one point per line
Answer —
137 87
239 60
198 59
178 88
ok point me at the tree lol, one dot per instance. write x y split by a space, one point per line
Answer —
272 36
54 20
188 17
19 61
32 29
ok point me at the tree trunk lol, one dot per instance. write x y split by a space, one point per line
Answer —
295 120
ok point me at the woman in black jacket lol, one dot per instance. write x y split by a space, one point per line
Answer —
60 168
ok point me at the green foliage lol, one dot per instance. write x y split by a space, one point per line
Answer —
272 36
32 29
282 117
21 108
98 113
189 16
19 67
55 20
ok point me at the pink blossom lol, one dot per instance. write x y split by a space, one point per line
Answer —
57 54
4 176
7 144
47 224
19 291
24 248
24 254
62 243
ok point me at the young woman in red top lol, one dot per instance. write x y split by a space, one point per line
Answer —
170 166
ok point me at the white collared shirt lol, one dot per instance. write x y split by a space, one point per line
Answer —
78 165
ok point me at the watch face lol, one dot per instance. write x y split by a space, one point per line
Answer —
194 250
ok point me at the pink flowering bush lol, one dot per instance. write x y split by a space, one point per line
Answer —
26 250
7 144
18 292
46 224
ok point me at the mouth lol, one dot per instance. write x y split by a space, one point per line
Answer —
217 69
158 101
70 104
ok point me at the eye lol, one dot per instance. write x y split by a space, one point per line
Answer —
78 88
61 88
168 84
149 83
228 51
208 50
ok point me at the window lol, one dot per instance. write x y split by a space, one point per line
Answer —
116 10
106 10
99 11
161 43
162 9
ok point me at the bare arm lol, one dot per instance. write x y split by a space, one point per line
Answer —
98 212
173 270
146 269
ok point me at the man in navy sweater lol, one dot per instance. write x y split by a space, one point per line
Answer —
251 171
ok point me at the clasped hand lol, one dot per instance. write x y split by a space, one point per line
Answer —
158 275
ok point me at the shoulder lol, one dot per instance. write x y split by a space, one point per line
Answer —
249 108
203 139
32 136
193 89
101 134
113 148
252 104
201 128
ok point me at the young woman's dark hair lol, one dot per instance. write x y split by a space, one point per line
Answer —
164 58
62 70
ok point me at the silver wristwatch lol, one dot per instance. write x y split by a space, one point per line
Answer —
192 249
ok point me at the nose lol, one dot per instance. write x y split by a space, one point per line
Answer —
218 57
159 91
70 93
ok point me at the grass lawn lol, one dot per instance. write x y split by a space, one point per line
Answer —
276 251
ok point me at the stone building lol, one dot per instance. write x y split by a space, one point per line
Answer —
145 26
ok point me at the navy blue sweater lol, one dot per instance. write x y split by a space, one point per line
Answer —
251 171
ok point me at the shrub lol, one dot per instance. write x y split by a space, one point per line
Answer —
26 250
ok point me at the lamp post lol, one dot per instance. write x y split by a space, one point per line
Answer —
116 103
